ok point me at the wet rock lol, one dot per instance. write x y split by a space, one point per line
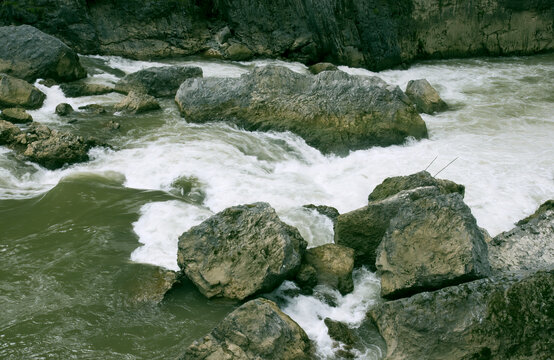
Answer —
238 52
333 265
333 111
64 109
158 81
256 330
223 35
393 185
306 278
152 284
328 211
95 109
340 332
528 247
77 89
16 92
112 125
240 251
321 67
48 82
431 243
8 132
136 103
16 115
425 97
28 53
500 318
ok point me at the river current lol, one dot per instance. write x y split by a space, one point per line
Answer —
77 244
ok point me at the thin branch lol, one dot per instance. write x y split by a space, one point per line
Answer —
431 163
447 165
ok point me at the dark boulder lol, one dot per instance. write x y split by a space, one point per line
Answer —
256 330
137 103
425 97
16 115
158 81
16 92
28 53
333 111
240 251
499 318
431 242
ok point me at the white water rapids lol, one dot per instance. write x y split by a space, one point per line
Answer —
500 130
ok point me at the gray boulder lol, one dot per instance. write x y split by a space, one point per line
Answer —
158 81
28 53
528 247
16 115
136 103
16 92
333 111
501 318
240 251
256 330
79 88
425 97
431 243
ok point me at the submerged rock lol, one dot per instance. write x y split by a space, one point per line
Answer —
321 67
158 81
28 53
16 92
136 103
505 318
425 97
333 265
256 330
64 109
333 111
16 115
527 247
240 251
77 89
432 242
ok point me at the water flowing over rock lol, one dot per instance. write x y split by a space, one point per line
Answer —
28 53
333 111
256 330
528 247
364 228
137 103
16 115
240 251
425 97
158 81
431 243
16 92
500 318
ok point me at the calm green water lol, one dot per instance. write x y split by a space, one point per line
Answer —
68 286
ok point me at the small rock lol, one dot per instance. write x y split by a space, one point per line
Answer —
16 92
340 332
48 82
306 278
136 103
16 115
64 109
328 211
333 265
238 52
95 109
77 89
112 125
321 67
425 97
152 284
158 81
256 330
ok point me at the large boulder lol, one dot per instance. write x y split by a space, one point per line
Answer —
485 319
16 115
28 53
425 97
256 330
333 265
527 247
333 111
158 81
16 92
363 229
240 251
137 103
431 243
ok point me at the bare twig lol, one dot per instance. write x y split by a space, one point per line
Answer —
447 165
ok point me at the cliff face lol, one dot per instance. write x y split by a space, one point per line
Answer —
371 33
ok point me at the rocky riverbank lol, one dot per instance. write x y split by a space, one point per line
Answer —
370 34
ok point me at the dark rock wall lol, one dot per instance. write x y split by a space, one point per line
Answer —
375 34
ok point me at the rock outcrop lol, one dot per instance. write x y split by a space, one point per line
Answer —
372 34
333 111
15 92
425 97
256 330
50 148
240 251
16 115
28 53
158 81
500 318
137 103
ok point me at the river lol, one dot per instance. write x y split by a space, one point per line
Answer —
77 244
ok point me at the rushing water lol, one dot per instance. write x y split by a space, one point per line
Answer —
75 243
